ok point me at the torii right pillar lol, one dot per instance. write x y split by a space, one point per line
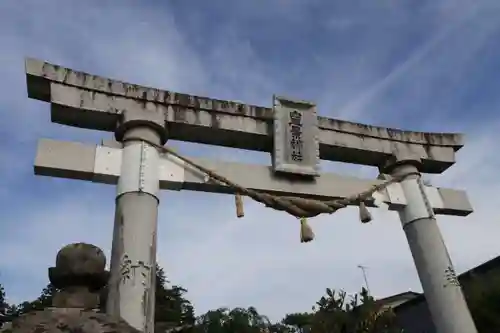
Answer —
443 293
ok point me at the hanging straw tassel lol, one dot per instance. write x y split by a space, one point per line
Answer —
364 214
306 233
239 205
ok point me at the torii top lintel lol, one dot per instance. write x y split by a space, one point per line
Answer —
89 101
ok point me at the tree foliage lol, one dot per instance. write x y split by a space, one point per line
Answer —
3 306
331 313
7 312
225 320
334 312
171 304
360 313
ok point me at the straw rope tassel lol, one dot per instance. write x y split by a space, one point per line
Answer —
364 215
239 205
294 206
306 233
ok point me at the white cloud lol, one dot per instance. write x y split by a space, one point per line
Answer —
257 260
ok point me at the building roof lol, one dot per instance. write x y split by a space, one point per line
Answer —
397 299
464 277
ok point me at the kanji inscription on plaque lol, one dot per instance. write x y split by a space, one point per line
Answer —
296 142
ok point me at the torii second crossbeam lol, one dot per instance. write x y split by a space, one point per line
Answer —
101 164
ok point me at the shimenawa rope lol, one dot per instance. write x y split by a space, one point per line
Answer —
299 207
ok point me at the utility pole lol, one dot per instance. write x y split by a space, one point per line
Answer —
363 269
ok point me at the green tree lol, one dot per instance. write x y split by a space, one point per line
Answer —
7 311
298 322
335 313
239 320
3 306
280 328
212 322
172 308
171 305
43 301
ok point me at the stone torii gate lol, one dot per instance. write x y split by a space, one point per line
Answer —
143 119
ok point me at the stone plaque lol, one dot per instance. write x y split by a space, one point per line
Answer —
296 137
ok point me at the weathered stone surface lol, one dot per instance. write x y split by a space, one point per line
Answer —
80 258
79 274
102 165
68 321
89 101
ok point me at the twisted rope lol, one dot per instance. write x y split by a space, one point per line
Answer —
298 207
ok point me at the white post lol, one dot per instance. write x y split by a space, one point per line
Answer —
442 291
133 257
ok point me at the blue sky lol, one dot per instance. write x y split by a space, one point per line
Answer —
419 65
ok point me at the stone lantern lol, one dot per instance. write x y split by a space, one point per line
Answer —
79 275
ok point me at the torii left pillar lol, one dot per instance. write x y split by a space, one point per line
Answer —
133 255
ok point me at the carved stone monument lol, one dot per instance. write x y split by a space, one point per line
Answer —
79 275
